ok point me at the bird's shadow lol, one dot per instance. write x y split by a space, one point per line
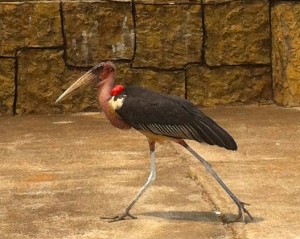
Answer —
204 216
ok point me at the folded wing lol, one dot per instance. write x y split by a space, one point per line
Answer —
170 116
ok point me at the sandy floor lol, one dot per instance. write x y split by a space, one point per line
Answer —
60 174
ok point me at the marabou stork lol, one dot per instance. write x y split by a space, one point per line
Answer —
158 117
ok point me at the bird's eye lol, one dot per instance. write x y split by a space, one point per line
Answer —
97 69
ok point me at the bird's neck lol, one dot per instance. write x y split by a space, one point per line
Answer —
104 95
104 89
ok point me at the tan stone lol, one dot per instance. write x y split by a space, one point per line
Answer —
166 82
7 85
42 78
123 73
229 84
98 31
157 2
30 24
168 36
286 53
219 1
84 100
237 33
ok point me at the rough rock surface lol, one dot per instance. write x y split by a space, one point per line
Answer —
30 24
229 84
219 1
167 1
157 44
166 41
42 78
286 53
97 31
240 36
7 85
166 82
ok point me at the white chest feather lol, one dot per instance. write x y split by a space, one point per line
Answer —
116 103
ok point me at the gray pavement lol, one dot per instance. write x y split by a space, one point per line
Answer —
61 173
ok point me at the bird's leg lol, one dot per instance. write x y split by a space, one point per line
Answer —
209 168
150 180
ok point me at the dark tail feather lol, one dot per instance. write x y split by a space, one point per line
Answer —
211 133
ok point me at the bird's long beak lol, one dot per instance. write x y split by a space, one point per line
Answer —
89 77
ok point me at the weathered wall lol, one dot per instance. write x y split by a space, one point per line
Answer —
286 53
210 51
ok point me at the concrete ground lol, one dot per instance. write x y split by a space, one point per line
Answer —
61 173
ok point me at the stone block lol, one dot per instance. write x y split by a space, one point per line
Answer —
228 84
286 53
97 31
123 73
237 33
157 2
42 78
219 1
166 82
85 100
7 85
168 36
30 24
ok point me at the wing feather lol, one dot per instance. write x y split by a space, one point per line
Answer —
171 116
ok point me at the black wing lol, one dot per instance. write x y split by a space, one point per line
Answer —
171 116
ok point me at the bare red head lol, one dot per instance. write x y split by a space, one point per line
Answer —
108 68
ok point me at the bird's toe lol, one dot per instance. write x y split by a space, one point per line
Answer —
123 216
242 212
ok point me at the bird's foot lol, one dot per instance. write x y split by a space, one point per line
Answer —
125 215
242 212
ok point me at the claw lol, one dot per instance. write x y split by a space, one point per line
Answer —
120 217
242 212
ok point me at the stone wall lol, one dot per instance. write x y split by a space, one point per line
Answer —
209 51
286 53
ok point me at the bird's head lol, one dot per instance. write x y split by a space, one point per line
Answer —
96 76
